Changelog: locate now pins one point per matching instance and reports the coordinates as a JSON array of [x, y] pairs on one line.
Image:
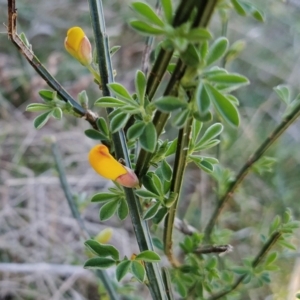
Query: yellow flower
[[104, 236], [106, 166], [78, 45]]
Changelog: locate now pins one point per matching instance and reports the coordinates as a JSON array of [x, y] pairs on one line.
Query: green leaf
[[257, 14], [196, 129], [223, 106], [210, 144], [140, 86], [229, 79], [148, 13], [206, 117], [160, 215], [217, 50], [148, 256], [41, 120], [118, 122], [271, 258], [104, 197], [181, 289], [99, 263], [113, 50], [239, 7], [95, 135], [109, 102], [83, 99], [102, 250], [275, 224], [166, 170], [122, 269], [211, 263], [204, 50], [211, 132], [157, 181], [191, 56], [120, 91], [151, 211], [38, 107], [288, 245], [149, 185], [108, 210], [136, 130], [102, 125], [145, 28], [57, 113], [47, 95], [169, 104], [138, 270], [168, 10], [148, 138], [202, 98], [206, 166], [240, 270], [158, 243], [123, 209], [145, 194], [284, 93], [181, 118], [171, 148], [198, 35]]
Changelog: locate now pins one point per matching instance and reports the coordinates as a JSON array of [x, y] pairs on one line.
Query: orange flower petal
[[78, 45], [104, 164]]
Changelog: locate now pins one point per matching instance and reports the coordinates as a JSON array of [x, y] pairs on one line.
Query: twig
[[279, 130], [222, 249], [140, 226], [175, 188], [257, 260], [40, 69], [61, 270], [183, 227], [66, 188]]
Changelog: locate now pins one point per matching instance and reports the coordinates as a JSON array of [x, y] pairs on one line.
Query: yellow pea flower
[[78, 45], [108, 167], [104, 236]]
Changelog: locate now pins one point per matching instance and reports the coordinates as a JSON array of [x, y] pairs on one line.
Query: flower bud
[[78, 45], [108, 167], [104, 236]]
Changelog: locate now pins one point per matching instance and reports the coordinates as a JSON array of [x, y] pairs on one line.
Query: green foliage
[[198, 97], [113, 202]]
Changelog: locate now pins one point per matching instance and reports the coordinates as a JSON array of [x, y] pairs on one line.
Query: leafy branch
[[269, 141]]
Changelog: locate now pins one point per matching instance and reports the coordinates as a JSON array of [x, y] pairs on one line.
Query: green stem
[[205, 10], [257, 260], [177, 178], [139, 225], [33, 60], [76, 215], [269, 141]]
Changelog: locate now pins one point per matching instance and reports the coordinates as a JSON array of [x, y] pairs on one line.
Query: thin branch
[[139, 225], [257, 260], [221, 249], [66, 188], [40, 69], [175, 188], [269, 141], [184, 227]]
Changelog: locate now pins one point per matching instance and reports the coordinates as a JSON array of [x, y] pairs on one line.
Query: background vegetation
[[41, 251]]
